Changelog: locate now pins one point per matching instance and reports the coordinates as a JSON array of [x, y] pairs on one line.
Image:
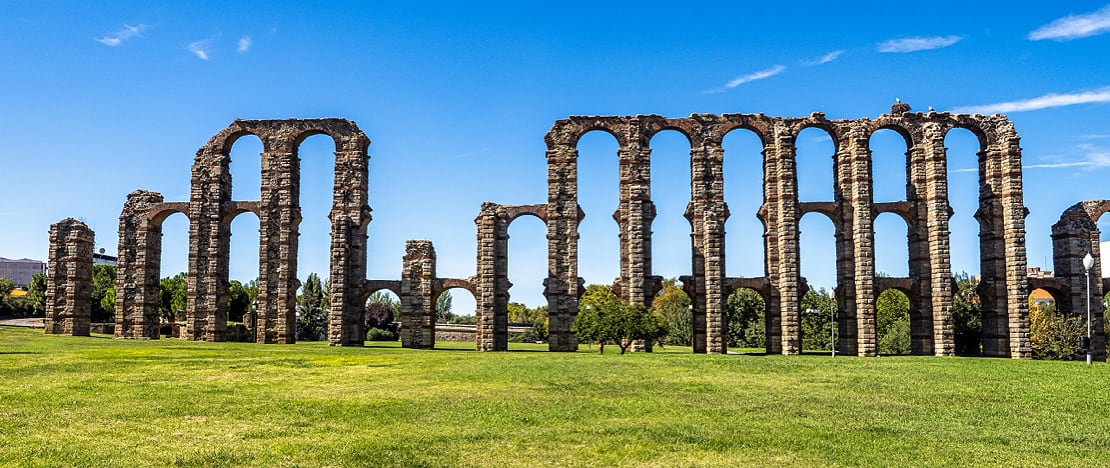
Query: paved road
[[23, 322]]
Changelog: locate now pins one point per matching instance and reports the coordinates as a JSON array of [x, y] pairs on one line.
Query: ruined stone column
[[69, 285], [492, 278], [138, 292], [1013, 222], [209, 244], [861, 227], [563, 286], [634, 215], [350, 217], [418, 302], [279, 220], [935, 228], [707, 213], [780, 154], [847, 320]]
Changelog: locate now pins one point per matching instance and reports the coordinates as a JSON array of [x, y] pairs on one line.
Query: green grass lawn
[[103, 402]]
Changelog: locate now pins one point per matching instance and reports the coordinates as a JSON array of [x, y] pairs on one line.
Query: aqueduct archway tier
[[926, 210]]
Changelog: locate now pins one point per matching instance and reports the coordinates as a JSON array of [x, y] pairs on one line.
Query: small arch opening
[[745, 247], [598, 195], [245, 166], [891, 246], [889, 165], [382, 317], [671, 245], [815, 154], [747, 321], [892, 322], [456, 319]]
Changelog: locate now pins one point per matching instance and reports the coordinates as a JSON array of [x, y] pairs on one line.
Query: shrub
[[378, 334], [1054, 335]]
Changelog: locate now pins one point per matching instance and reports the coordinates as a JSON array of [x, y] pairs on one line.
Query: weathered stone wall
[[418, 299], [69, 285]]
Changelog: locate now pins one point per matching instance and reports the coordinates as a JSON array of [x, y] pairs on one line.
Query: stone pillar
[[279, 220], [209, 244], [350, 215], [69, 285], [563, 286], [786, 295], [138, 292], [844, 161], [418, 302], [634, 215], [860, 227], [1013, 224], [935, 228], [493, 278]]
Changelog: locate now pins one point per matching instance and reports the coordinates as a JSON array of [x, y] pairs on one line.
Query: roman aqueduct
[[1003, 289]]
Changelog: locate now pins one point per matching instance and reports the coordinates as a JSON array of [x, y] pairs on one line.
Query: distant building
[[21, 271], [1037, 272], [101, 259]]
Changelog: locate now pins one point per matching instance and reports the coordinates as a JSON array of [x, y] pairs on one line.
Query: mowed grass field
[[67, 401]]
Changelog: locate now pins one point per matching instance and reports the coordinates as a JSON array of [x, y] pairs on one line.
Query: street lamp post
[[1088, 262]]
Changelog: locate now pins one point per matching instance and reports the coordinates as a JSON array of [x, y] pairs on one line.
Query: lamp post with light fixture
[[1088, 262]]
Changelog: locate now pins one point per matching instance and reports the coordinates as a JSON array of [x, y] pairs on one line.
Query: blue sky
[[99, 101]]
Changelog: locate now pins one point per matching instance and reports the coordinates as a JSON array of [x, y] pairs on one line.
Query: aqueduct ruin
[[1003, 289]]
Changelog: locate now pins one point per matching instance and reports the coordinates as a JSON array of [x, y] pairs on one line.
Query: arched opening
[[747, 321], [598, 195], [889, 171], [964, 178], [173, 273], [242, 274], [317, 187], [814, 155], [893, 323], [817, 256], [962, 151], [891, 246], [670, 186], [745, 248], [456, 323], [382, 317], [674, 305], [1054, 334], [1103, 226], [527, 265], [246, 168]]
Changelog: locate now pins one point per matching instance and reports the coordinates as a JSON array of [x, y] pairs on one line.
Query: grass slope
[[103, 402]]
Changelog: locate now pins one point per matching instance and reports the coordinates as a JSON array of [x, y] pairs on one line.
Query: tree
[[746, 325], [1054, 335], [104, 284], [36, 291], [6, 286], [602, 317], [239, 302], [597, 302], [817, 307], [536, 317], [967, 316], [892, 322], [312, 310], [674, 305], [443, 308], [172, 296]]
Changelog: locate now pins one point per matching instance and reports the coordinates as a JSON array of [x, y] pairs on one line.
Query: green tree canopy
[[37, 292], [673, 305]]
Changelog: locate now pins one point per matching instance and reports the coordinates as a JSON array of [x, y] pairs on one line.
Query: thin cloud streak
[[914, 44], [1074, 26], [759, 75], [200, 49], [829, 57], [117, 38], [1041, 102], [244, 44], [1095, 157]]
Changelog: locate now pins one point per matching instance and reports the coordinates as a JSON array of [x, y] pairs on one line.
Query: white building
[[20, 271]]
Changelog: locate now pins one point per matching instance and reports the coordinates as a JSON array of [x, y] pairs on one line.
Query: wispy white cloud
[[1093, 157], [914, 44], [117, 38], [829, 57], [200, 48], [244, 44], [1074, 26], [1041, 102], [759, 75]]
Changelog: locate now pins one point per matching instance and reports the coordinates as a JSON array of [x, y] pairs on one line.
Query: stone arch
[[372, 286], [1074, 236]]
